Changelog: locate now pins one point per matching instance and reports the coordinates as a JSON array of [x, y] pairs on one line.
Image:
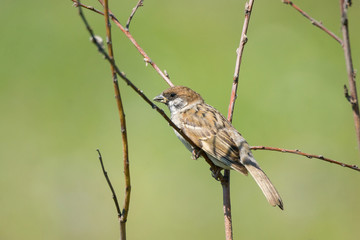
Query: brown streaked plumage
[[216, 136]]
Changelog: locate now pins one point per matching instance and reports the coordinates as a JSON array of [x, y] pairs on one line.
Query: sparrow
[[215, 136]]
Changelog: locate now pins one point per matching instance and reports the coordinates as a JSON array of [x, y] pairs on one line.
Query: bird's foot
[[196, 152], [216, 173]]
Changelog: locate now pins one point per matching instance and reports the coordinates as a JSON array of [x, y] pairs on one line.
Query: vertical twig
[[239, 51], [226, 182], [353, 98], [125, 209]]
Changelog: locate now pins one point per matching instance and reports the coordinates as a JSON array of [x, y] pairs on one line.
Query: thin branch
[[125, 209], [353, 98], [110, 185], [314, 22], [139, 4], [226, 182], [76, 3], [239, 51], [298, 152], [214, 168]]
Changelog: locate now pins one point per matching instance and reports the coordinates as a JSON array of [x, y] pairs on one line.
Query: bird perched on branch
[[215, 135]]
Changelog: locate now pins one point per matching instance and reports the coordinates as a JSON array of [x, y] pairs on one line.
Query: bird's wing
[[206, 127]]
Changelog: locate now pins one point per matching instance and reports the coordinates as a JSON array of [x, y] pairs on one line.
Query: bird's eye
[[172, 95]]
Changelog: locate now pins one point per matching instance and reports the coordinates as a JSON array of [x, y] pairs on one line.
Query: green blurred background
[[57, 108]]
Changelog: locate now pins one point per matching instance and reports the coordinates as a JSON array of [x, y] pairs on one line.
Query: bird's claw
[[216, 174], [196, 152]]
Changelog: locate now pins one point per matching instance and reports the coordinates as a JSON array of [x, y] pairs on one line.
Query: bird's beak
[[161, 99]]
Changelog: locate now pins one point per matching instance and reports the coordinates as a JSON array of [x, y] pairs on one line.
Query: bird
[[213, 134]]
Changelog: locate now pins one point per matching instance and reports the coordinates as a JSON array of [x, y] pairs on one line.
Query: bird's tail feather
[[263, 181], [266, 186]]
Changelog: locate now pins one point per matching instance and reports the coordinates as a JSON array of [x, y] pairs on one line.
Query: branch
[[110, 185], [239, 51], [352, 96], [313, 21], [214, 168], [226, 182], [298, 152], [227, 205], [125, 209], [139, 4]]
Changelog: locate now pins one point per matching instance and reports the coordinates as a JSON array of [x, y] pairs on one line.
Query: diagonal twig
[[139, 4], [110, 185], [308, 155], [313, 21]]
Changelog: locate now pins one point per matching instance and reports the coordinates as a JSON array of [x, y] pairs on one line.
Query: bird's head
[[179, 97]]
